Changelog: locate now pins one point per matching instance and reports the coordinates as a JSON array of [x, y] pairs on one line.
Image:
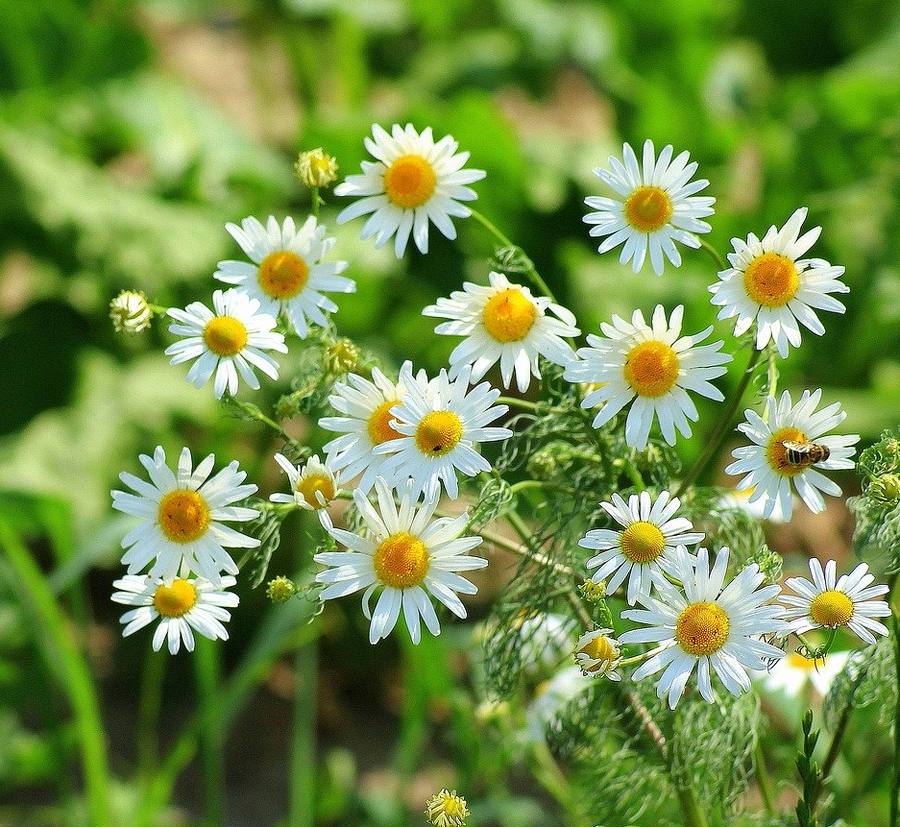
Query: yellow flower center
[[642, 542], [831, 608], [600, 648], [401, 561], [509, 315], [438, 433], [776, 453], [410, 181], [225, 335], [379, 424], [176, 599], [282, 274], [702, 628], [797, 660], [771, 280], [651, 368], [648, 209], [313, 484], [183, 516]]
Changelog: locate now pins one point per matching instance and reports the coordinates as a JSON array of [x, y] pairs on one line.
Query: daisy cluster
[[402, 443]]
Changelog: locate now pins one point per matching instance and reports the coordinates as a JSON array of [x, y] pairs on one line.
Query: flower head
[[180, 604], [414, 180], [504, 323], [447, 809], [597, 654], [793, 673], [773, 464], [770, 284], [316, 168], [653, 365], [651, 208], [280, 589], [286, 273], [130, 312], [313, 485]]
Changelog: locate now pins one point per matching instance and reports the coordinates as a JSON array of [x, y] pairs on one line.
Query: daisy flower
[[739, 498], [406, 554], [181, 605], [412, 181], [767, 463], [831, 603], [313, 485], [504, 323], [287, 275], [597, 653], [795, 672], [655, 366], [646, 543], [707, 624], [182, 516], [440, 422], [366, 421], [227, 342], [651, 209], [769, 283]]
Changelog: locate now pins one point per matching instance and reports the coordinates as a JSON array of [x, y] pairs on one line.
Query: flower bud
[[130, 312], [316, 168], [280, 589]]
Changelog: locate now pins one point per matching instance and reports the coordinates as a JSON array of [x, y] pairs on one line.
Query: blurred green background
[[131, 132]]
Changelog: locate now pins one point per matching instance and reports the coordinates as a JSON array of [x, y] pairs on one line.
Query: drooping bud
[[130, 312]]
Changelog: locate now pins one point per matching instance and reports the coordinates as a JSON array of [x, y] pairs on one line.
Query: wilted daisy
[[182, 517], [447, 809], [707, 624], [504, 323], [831, 603], [769, 283], [647, 542], [287, 275], [655, 366], [550, 698], [545, 639], [441, 423], [774, 462], [597, 653], [313, 485], [227, 342], [413, 181], [794, 673], [181, 605], [407, 555], [651, 209], [365, 423]]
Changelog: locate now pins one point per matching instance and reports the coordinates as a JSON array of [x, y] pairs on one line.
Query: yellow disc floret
[[225, 335], [183, 516], [447, 809], [508, 315], [702, 628], [651, 368], [409, 181], [379, 424], [315, 484], [776, 453], [648, 208], [771, 280], [401, 561], [282, 274], [831, 608], [176, 599], [438, 433], [642, 542]]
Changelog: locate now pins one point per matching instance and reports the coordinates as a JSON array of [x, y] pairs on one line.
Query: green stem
[[148, 711], [303, 749], [206, 672], [714, 254], [715, 440], [70, 667], [527, 405], [316, 201], [763, 779], [895, 775], [687, 795]]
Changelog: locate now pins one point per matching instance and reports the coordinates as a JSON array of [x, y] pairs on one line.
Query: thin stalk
[[763, 779], [206, 673], [714, 254], [715, 440], [148, 711], [895, 775], [687, 795], [316, 201], [527, 405], [303, 745]]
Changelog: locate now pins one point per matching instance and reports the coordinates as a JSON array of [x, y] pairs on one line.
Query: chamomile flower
[[365, 422], [830, 602], [772, 469], [647, 542], [707, 624], [287, 275], [794, 673], [182, 606], [182, 517], [655, 366], [440, 423], [227, 341], [405, 553], [770, 284], [597, 654], [504, 323], [413, 181], [447, 809], [739, 498], [651, 208], [313, 485]]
